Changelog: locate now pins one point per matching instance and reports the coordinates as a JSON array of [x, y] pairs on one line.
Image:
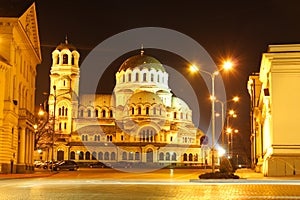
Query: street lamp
[[234, 99], [226, 66]]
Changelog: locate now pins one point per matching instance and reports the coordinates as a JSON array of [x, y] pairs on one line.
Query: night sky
[[239, 29]]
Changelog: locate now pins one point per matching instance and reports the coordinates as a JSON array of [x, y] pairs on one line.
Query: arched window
[[130, 157], [181, 115], [96, 113], [72, 155], [57, 60], [175, 115], [147, 110], [100, 155], [129, 77], [59, 112], [190, 157], [84, 137], [137, 77], [66, 112], [97, 138], [87, 155], [137, 155], [139, 110], [106, 156], [124, 156], [158, 78], [63, 111], [144, 77], [132, 110], [113, 156], [59, 126], [185, 157], [167, 156], [103, 113], [174, 156], [80, 155], [89, 113], [81, 113], [110, 113], [94, 156], [196, 157], [152, 77], [161, 156], [123, 78], [65, 59]]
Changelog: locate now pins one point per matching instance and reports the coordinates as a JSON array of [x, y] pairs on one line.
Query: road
[[162, 184]]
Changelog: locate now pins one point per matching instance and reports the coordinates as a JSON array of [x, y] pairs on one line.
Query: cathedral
[[140, 123]]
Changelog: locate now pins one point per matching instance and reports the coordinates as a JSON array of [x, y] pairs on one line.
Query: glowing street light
[[226, 66]]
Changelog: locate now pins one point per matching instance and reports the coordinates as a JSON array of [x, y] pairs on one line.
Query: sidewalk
[[36, 174]]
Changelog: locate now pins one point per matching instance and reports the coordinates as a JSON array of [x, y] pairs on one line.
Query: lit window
[[65, 59]]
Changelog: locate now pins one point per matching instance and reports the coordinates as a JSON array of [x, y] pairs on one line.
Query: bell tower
[[64, 88]]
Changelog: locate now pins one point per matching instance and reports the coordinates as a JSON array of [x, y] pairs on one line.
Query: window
[[103, 113], [185, 157], [144, 77], [132, 110], [87, 155], [130, 157], [147, 110], [80, 155], [65, 59], [196, 157], [113, 156], [96, 113], [152, 77], [57, 60], [124, 156], [94, 156], [97, 138], [84, 137], [89, 113], [175, 115], [136, 77], [110, 113], [129, 77], [139, 110], [72, 155], [137, 155], [73, 60], [109, 138], [59, 126], [174, 156], [81, 113], [158, 78], [122, 137], [154, 111], [190, 157], [181, 115], [63, 111], [59, 112], [106, 156], [66, 112], [100, 155], [123, 78], [161, 156], [167, 156], [65, 125], [171, 139]]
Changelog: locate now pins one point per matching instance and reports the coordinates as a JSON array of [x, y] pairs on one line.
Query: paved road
[[110, 184]]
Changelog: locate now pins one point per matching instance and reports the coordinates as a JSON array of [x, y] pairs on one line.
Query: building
[[19, 55], [275, 109], [141, 122]]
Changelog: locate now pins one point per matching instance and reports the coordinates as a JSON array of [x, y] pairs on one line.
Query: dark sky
[[241, 29]]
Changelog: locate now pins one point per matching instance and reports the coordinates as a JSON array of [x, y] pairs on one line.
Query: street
[[161, 184]]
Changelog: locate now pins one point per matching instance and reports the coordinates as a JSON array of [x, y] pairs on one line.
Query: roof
[[14, 8], [142, 61], [143, 97], [66, 45]]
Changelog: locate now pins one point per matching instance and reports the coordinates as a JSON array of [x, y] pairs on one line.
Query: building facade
[[19, 56], [275, 109], [140, 122]]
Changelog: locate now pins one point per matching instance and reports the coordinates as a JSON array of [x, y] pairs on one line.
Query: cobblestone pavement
[[162, 184]]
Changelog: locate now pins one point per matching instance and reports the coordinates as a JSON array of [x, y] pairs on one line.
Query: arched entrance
[[60, 155], [149, 155]]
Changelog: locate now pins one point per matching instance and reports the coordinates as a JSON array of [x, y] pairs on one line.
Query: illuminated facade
[[275, 112], [19, 56], [141, 122]]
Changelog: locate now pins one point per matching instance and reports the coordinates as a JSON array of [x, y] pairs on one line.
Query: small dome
[[144, 97], [179, 104], [66, 45], [141, 61]]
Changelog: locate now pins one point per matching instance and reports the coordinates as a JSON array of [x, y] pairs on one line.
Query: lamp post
[[227, 65], [234, 99]]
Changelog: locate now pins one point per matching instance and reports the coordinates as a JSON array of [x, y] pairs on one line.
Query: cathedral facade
[[141, 122]]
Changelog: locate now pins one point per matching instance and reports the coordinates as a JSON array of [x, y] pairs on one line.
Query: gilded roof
[[142, 61], [143, 97]]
